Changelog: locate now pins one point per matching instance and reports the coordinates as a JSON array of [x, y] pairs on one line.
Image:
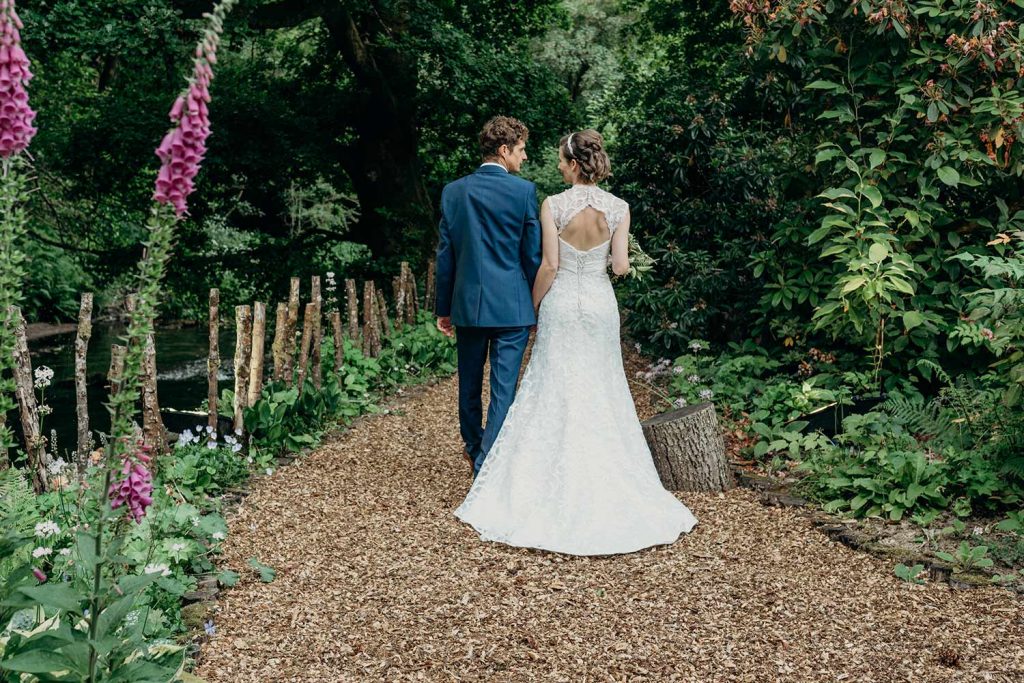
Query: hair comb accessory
[[568, 145]]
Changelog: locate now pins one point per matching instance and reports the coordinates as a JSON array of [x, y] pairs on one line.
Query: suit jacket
[[489, 250]]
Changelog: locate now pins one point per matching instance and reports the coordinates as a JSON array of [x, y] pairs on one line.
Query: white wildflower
[[65, 551], [47, 528], [44, 409], [696, 346], [679, 402], [706, 394], [218, 535], [270, 470], [678, 370], [177, 547], [157, 568], [44, 376], [42, 552], [211, 444], [693, 379], [56, 467], [195, 521]]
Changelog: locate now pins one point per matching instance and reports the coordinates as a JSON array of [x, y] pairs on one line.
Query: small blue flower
[[209, 628]]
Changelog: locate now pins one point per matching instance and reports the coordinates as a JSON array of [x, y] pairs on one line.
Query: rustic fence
[[295, 356]]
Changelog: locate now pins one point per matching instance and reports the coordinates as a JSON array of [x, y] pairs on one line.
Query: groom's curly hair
[[501, 130]]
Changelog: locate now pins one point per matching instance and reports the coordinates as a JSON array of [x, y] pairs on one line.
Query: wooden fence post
[[259, 335], [382, 305], [213, 361], [369, 318], [277, 348], [243, 349], [353, 310], [430, 293], [289, 339], [81, 387], [398, 290], [35, 445], [404, 275], [115, 375], [307, 335], [318, 303], [339, 341], [153, 432]]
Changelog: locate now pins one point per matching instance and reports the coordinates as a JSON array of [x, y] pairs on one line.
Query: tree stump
[[688, 449]]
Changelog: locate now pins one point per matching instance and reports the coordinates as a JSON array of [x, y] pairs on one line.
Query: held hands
[[445, 326]]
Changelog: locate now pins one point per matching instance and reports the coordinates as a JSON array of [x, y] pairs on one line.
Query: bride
[[570, 470]]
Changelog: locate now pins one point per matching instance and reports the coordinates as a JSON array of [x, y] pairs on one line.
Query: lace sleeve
[[616, 213], [557, 212]]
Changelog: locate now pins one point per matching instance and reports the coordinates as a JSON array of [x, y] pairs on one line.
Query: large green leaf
[[38, 662], [949, 176], [56, 595]]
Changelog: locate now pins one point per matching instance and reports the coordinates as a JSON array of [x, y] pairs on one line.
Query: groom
[[487, 259]]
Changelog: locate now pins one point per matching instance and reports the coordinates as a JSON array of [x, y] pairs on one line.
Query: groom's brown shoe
[[469, 459]]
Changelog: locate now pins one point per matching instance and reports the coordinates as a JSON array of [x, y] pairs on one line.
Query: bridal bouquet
[[640, 262]]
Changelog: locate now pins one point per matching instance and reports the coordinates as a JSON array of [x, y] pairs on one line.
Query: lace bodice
[[566, 205]]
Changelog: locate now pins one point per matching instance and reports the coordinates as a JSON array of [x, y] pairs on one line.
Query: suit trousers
[[506, 346]]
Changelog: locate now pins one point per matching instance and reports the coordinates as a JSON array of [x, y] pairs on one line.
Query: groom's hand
[[445, 325]]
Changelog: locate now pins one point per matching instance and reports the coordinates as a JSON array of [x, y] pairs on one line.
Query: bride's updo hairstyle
[[586, 147]]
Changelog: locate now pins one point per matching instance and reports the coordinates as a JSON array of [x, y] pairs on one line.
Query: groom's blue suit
[[487, 259]]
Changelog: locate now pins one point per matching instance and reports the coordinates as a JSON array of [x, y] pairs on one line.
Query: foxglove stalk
[[183, 148], [16, 117], [135, 489]]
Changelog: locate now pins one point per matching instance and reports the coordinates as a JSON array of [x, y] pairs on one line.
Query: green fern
[[18, 514], [17, 501], [922, 418]]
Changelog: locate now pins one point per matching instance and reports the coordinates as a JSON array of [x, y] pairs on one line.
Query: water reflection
[[181, 354]]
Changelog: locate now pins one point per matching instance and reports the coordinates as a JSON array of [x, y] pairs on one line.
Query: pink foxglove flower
[[136, 488], [184, 146], [16, 117]]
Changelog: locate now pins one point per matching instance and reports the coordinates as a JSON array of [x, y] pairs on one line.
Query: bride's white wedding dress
[[570, 470]]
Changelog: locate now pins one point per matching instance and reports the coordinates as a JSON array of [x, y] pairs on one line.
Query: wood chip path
[[377, 581]]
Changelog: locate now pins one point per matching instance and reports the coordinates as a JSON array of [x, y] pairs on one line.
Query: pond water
[[181, 354]]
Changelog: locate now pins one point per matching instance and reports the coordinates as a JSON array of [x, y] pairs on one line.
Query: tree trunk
[[318, 303], [24, 382], [382, 159], [277, 349], [213, 361], [688, 450], [307, 335], [243, 350], [339, 341], [81, 386], [289, 339], [353, 310], [259, 335]]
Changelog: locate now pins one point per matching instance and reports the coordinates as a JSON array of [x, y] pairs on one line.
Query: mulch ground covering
[[376, 580]]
